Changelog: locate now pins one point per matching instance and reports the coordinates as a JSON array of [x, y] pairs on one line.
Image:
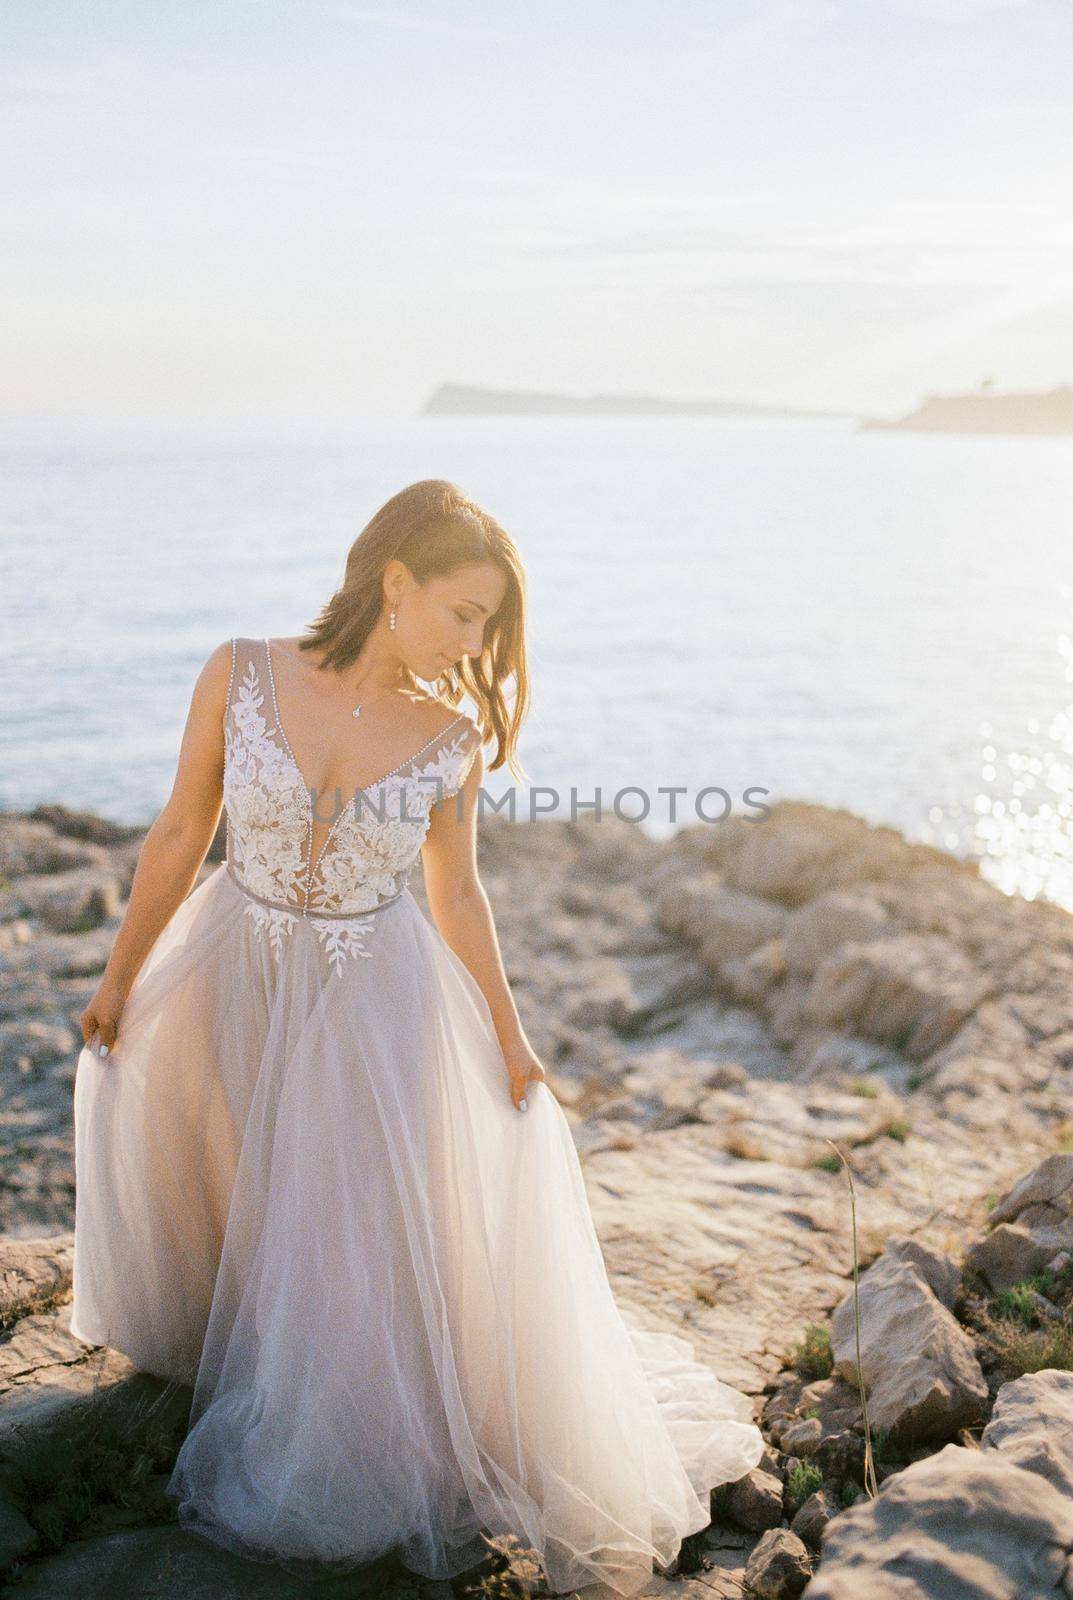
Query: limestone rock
[[751, 978], [33, 1274], [66, 823], [724, 923], [683, 901], [791, 1126], [916, 1540], [913, 990], [59, 955], [29, 1044], [802, 1437], [605, 996], [736, 924], [819, 929], [993, 1032], [70, 902], [1042, 1201], [923, 1379], [28, 845], [841, 1455], [801, 850], [54, 1388], [164, 1561], [939, 1272], [970, 1087], [814, 1515], [779, 1567], [1032, 1424], [1007, 1255], [756, 1501]]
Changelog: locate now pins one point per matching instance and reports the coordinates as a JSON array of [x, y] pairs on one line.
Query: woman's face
[[444, 619]]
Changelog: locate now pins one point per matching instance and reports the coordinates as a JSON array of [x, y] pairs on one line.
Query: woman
[[320, 1174]]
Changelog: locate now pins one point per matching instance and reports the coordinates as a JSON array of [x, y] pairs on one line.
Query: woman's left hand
[[524, 1068]]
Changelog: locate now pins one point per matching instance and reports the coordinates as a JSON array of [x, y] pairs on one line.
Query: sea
[[739, 610]]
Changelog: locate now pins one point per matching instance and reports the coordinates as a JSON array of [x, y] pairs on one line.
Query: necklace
[[362, 703]]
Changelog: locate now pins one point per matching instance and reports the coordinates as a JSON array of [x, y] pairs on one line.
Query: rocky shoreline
[[723, 1016]]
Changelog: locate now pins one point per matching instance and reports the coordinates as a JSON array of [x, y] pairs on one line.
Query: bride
[[321, 1176]]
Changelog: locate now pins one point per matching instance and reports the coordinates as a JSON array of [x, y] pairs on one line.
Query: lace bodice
[[374, 840]]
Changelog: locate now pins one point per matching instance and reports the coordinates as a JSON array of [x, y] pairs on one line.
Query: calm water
[[879, 622]]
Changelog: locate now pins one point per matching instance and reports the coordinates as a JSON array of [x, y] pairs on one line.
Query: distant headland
[[1049, 413], [1046, 413], [464, 400]]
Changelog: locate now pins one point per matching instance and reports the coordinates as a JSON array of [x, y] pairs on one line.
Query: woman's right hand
[[102, 1014]]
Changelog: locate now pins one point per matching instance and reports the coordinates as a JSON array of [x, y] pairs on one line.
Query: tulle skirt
[[303, 1189]]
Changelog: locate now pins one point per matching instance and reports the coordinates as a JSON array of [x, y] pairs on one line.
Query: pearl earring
[[391, 620]]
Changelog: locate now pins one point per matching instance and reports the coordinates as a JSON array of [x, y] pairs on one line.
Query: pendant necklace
[[362, 703], [358, 708]]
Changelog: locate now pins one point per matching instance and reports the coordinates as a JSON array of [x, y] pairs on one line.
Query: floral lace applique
[[339, 938], [370, 848], [342, 939], [268, 813], [271, 923]]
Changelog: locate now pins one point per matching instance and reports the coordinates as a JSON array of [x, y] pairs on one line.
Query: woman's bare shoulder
[[213, 684], [439, 718], [217, 666]]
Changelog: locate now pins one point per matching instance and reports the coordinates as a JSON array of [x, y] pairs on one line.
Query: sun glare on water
[[1021, 829]]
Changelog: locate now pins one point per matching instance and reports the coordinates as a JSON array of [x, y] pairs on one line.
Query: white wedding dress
[[302, 1188]]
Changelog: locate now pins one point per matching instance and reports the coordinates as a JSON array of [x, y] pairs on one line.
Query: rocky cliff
[[737, 1022]]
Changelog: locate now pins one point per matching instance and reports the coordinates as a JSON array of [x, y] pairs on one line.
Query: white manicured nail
[[103, 1051], [522, 1105]]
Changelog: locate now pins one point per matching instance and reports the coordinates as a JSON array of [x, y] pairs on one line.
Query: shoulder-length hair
[[432, 527]]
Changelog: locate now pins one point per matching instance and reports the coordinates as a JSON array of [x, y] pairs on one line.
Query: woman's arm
[[461, 912], [173, 850]]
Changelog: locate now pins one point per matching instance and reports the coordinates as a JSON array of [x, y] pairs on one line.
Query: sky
[[230, 209]]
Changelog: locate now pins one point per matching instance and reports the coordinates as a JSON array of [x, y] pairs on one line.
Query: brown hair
[[432, 527]]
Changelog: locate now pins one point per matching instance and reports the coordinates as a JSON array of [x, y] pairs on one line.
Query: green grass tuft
[[802, 1481], [813, 1357]]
